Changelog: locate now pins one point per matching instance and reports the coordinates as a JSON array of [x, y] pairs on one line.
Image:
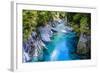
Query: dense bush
[[80, 22]]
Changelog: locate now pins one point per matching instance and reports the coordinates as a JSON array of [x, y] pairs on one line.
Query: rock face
[[45, 33], [83, 46], [62, 26]]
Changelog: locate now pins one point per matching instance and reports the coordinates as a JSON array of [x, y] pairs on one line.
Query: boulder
[[82, 47], [45, 33]]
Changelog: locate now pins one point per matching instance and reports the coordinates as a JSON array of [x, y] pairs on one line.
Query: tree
[[33, 19]]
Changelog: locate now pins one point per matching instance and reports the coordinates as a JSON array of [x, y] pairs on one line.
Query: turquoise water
[[62, 47]]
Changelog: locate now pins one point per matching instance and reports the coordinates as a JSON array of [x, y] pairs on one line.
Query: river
[[62, 47]]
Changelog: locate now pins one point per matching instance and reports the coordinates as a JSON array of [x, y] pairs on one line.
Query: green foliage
[[80, 22], [83, 25], [32, 19], [29, 22], [77, 17]]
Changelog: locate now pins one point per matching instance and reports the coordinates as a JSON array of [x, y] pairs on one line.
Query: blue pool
[[62, 47]]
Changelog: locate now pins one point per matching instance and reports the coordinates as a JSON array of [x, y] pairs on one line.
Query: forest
[[81, 22]]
